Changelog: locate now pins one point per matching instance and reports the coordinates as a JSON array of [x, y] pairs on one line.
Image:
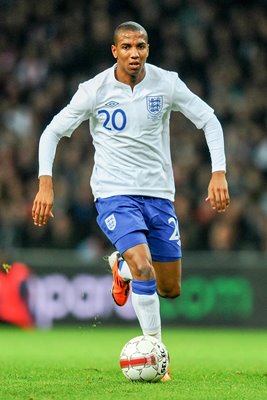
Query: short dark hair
[[129, 26]]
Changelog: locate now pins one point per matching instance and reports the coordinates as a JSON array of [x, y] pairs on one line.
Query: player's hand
[[43, 202], [218, 194]]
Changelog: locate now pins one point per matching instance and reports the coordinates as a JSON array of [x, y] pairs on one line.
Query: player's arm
[[218, 194], [63, 124], [202, 116], [44, 199]]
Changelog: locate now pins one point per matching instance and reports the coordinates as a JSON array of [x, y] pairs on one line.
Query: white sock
[[146, 307], [124, 271], [148, 313]]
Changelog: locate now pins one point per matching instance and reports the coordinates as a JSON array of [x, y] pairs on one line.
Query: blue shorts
[[131, 220]]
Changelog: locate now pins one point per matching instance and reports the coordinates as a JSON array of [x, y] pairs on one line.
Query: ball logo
[[111, 222], [164, 362]]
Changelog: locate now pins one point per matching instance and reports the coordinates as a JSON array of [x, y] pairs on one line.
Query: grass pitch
[[82, 363]]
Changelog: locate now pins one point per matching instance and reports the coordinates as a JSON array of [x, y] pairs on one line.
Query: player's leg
[[138, 264], [168, 276], [144, 294], [121, 219], [165, 246]]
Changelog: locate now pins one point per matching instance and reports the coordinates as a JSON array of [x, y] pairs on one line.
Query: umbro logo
[[112, 104]]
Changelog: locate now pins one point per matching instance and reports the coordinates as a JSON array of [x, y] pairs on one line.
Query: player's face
[[131, 52]]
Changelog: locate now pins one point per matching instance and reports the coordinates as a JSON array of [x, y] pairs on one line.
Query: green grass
[[82, 363]]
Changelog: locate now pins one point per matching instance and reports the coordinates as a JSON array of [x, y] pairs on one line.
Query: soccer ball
[[144, 358]]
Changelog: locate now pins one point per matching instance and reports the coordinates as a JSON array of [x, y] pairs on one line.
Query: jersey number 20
[[115, 120]]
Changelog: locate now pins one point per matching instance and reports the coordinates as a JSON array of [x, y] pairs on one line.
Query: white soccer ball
[[144, 358]]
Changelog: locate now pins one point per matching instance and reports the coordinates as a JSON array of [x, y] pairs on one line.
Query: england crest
[[111, 222], [154, 104]]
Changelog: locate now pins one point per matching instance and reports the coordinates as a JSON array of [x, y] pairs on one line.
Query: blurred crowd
[[218, 48]]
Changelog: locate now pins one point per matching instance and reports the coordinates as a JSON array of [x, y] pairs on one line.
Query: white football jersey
[[130, 130]]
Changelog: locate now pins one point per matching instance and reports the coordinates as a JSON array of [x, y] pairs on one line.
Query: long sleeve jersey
[[131, 132]]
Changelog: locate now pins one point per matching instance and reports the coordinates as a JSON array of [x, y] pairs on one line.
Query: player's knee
[[143, 271], [140, 266], [170, 292]]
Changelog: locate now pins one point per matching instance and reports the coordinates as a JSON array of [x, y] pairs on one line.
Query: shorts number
[[116, 120], [175, 235]]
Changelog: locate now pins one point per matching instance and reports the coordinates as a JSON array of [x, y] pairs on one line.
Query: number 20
[[111, 120]]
